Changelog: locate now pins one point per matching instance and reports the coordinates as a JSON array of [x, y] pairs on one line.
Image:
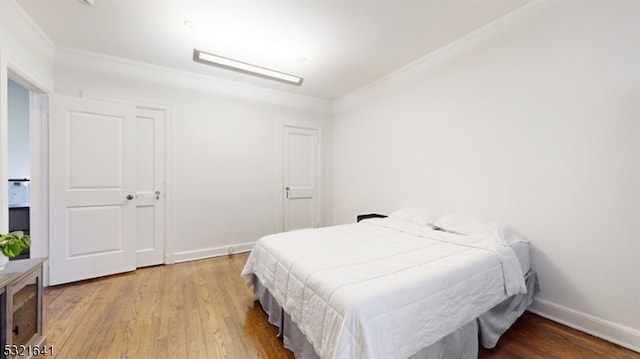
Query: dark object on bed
[[360, 217]]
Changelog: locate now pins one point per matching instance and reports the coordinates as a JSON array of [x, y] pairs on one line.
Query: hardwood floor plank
[[535, 337], [203, 309]]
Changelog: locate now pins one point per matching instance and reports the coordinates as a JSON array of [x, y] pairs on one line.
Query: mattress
[[354, 290]]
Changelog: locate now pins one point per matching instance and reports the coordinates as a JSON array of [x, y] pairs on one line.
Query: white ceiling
[[346, 43]]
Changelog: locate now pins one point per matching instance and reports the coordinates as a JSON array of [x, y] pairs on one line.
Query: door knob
[[129, 197], [157, 194]]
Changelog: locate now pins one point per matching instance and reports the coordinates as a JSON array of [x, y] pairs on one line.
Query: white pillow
[[460, 223], [418, 216], [471, 225]]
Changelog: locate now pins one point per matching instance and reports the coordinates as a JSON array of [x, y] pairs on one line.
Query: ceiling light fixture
[[211, 59], [87, 2]]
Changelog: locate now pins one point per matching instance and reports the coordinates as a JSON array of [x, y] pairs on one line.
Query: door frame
[[11, 68], [168, 110], [319, 173]]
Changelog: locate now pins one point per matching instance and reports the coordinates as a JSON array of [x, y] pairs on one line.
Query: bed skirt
[[462, 343]]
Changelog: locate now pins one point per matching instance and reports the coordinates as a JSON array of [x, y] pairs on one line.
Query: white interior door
[[92, 184], [150, 214], [300, 165]]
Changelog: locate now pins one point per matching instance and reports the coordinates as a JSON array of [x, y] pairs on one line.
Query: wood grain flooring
[[203, 309]]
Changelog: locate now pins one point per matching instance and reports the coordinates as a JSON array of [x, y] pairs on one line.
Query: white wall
[[533, 121], [24, 47], [225, 135], [18, 132]]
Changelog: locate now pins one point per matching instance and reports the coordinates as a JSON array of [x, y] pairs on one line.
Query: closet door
[[301, 177], [150, 192], [92, 186]]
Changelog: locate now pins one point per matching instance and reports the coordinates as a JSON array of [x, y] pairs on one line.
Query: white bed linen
[[522, 251], [382, 288]]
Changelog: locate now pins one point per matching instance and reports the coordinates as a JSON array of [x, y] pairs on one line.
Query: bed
[[407, 286]]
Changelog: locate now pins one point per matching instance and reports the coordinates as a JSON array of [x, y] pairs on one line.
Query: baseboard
[[613, 332], [212, 252]]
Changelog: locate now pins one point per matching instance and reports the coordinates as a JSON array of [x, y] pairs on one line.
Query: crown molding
[[400, 76], [32, 24]]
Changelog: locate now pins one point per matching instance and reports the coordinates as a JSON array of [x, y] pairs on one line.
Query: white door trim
[[4, 142], [39, 195], [168, 109], [320, 173], [11, 68]]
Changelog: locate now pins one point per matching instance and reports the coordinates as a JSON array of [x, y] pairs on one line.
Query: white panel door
[[300, 165], [92, 183], [150, 187]]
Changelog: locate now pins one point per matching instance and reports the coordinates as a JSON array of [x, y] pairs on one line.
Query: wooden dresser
[[21, 331]]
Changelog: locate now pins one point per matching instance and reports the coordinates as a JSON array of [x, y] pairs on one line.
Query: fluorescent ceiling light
[[211, 59]]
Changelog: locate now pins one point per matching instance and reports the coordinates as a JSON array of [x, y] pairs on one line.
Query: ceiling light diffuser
[[226, 63]]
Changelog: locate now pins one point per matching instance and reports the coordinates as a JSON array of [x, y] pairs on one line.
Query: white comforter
[[382, 288]]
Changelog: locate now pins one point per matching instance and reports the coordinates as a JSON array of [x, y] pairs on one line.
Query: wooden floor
[[203, 309]]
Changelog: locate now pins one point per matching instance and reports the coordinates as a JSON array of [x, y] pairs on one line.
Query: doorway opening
[[25, 181], [19, 164]]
